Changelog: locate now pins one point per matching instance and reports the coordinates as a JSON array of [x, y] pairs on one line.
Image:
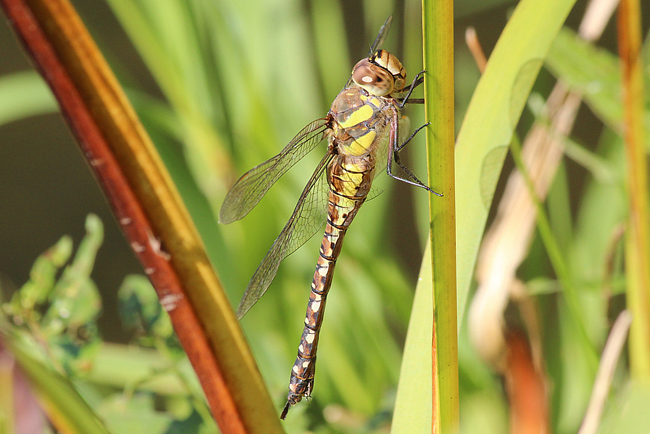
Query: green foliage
[[599, 85], [238, 82], [24, 94], [141, 312], [236, 96], [414, 397], [491, 118], [63, 311], [594, 254], [84, 384], [587, 232]]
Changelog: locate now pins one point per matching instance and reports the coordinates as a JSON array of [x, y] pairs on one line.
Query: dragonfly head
[[380, 74]]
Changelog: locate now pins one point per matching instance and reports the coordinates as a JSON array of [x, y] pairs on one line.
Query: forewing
[[308, 217], [383, 32], [253, 185], [379, 40]]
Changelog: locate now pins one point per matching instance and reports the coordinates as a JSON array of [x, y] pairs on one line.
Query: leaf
[[75, 300], [628, 413], [24, 94], [492, 114], [140, 309], [592, 71], [414, 398], [64, 406], [42, 277]]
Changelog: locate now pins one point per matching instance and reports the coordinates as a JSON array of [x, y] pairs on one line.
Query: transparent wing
[[379, 40], [383, 32], [308, 217], [254, 184]]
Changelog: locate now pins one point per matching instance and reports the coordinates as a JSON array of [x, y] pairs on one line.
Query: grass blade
[[491, 117], [67, 409], [24, 94], [414, 399]]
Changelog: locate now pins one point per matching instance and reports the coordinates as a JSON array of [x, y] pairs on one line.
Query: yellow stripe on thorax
[[374, 101], [361, 114]]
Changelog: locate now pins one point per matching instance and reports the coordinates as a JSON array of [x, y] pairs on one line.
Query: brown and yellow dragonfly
[[362, 132]]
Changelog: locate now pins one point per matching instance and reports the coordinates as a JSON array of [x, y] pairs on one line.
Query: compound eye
[[372, 78]]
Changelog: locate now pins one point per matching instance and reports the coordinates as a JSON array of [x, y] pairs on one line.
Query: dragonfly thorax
[[380, 74]]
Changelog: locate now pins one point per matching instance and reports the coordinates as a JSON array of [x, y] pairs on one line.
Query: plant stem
[[637, 242], [438, 31]]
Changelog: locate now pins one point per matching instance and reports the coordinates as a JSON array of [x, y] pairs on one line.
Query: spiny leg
[[417, 130], [395, 157], [417, 80]]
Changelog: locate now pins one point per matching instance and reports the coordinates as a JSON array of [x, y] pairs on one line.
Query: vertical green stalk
[[637, 243], [438, 31]]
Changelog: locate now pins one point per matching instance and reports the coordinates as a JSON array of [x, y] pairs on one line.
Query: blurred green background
[[222, 86]]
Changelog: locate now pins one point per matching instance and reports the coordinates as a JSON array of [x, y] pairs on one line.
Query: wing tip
[[241, 311], [228, 215]]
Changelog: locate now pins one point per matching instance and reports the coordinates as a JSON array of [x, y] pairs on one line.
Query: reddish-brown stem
[[144, 204], [526, 389]]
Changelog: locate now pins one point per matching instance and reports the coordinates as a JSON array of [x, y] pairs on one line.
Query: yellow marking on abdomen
[[348, 187], [360, 145]]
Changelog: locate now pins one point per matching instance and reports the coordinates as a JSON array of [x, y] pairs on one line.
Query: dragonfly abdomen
[[302, 373], [348, 191]]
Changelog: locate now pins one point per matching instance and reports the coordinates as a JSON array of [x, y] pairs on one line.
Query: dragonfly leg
[[416, 182], [417, 80], [417, 130], [395, 157]]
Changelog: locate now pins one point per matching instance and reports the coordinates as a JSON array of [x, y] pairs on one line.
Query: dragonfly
[[362, 132]]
